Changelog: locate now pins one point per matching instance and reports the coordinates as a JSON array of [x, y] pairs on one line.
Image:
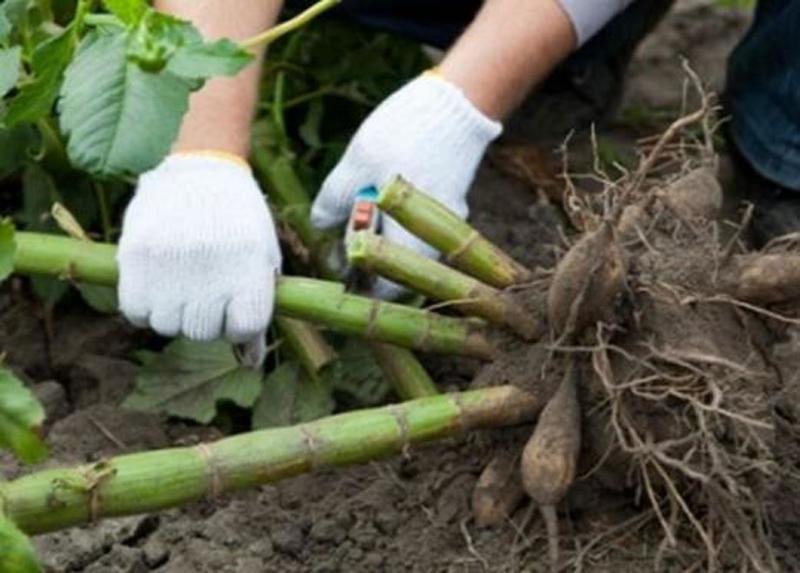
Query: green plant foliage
[[100, 298], [199, 61], [128, 11], [16, 552], [290, 396], [188, 379], [5, 27], [10, 59], [118, 118], [356, 376], [37, 96], [21, 418], [126, 91], [320, 83], [7, 248], [736, 3], [15, 144]]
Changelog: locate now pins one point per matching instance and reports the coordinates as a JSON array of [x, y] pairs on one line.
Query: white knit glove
[[428, 132], [198, 253]]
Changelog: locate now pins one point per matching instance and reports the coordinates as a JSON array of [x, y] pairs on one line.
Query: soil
[[409, 513]]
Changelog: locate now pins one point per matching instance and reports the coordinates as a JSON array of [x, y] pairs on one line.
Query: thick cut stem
[[327, 303], [439, 282], [404, 372], [156, 480], [463, 246], [306, 343], [301, 298]]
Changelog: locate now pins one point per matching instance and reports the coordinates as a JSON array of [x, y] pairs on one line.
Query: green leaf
[[310, 128], [15, 143], [9, 69], [37, 96], [162, 41], [15, 12], [119, 118], [100, 298], [358, 376], [289, 397], [16, 551], [5, 27], [129, 11], [49, 290], [187, 379], [202, 61], [39, 192], [157, 37], [8, 247], [21, 418]]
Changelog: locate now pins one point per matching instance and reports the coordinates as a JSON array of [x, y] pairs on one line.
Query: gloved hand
[[198, 254], [428, 132]]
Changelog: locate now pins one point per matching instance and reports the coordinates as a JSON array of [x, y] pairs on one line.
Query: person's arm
[[510, 47], [435, 130], [220, 114]]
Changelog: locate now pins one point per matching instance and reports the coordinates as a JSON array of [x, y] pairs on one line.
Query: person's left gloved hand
[[429, 133]]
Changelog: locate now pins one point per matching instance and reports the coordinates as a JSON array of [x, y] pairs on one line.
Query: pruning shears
[[364, 217]]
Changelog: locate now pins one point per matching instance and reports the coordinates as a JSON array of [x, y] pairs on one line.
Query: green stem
[[439, 282], [463, 246], [287, 194], [306, 343], [53, 146], [327, 303], [296, 297], [101, 195], [324, 91], [103, 20], [269, 36], [152, 481], [404, 372]]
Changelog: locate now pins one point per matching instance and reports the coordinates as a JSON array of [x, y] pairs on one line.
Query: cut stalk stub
[[462, 246], [403, 371], [439, 282]]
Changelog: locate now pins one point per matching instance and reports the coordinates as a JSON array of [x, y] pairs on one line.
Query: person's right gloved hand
[[429, 133], [198, 255]]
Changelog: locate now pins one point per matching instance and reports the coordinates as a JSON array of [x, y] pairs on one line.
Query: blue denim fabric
[[763, 93]]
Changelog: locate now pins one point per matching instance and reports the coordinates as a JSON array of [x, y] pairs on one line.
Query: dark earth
[[409, 513]]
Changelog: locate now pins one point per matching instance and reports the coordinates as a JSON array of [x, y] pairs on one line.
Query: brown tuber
[[498, 491], [586, 282], [697, 194], [550, 457], [764, 279]]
